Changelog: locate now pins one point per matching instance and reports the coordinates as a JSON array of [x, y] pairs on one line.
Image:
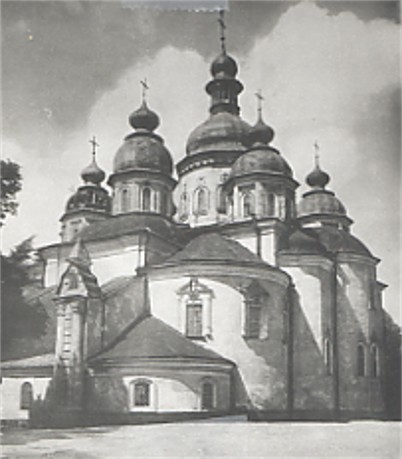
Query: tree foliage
[[19, 319], [11, 184]]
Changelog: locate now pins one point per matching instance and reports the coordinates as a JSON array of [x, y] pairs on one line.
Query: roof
[[337, 240], [37, 361], [215, 247], [323, 240], [303, 241], [149, 337], [128, 224]]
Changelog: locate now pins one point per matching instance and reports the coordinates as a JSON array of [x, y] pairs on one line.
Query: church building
[[209, 291]]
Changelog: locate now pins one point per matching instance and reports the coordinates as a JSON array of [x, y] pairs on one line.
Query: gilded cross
[[145, 88], [260, 98], [222, 26], [94, 145]]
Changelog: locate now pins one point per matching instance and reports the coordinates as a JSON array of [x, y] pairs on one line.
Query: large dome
[[222, 131], [143, 150], [261, 159], [319, 202]]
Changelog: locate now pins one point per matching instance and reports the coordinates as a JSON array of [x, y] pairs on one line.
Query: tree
[[11, 184], [18, 318]]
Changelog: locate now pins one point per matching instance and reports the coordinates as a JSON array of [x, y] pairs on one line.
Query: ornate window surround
[[193, 292]]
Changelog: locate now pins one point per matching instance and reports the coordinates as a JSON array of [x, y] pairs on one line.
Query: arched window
[[270, 204], [201, 201], [141, 396], [146, 199], [220, 200], [374, 357], [328, 355], [248, 204], [183, 206], [26, 397], [361, 360], [207, 395], [125, 200]]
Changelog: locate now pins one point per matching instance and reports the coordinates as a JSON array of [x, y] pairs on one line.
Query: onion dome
[[93, 173], [223, 131], [320, 201], [260, 133], [224, 66], [317, 178], [144, 118], [266, 160], [143, 150], [260, 158]]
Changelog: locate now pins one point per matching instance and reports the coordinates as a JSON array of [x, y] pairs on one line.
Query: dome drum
[[88, 198]]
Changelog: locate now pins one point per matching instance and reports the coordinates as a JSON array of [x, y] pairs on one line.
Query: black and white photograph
[[200, 229]]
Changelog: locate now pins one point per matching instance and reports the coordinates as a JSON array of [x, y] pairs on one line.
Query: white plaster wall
[[226, 334], [166, 395], [120, 263], [105, 266], [206, 176], [309, 289], [10, 390], [268, 247]]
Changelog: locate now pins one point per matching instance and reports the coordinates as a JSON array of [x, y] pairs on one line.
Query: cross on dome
[[145, 88], [222, 28], [260, 98], [316, 154], [94, 145]]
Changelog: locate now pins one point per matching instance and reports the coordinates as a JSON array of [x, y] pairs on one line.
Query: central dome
[[143, 150], [222, 131]]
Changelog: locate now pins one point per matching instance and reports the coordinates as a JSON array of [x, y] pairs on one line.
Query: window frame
[[26, 397], [150, 394], [213, 396], [197, 305], [374, 360], [361, 365]]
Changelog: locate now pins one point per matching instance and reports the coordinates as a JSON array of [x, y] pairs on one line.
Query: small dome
[[143, 151], [89, 197], [261, 159], [317, 178], [320, 202], [93, 174], [222, 131], [144, 118], [224, 66], [260, 133]]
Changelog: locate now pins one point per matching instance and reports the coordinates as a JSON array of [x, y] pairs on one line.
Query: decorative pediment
[[194, 289]]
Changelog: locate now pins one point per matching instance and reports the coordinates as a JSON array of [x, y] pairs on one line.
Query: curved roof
[[338, 240], [143, 150], [318, 202], [222, 131], [150, 338], [261, 159]]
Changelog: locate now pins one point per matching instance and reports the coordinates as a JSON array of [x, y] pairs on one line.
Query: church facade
[[211, 293]]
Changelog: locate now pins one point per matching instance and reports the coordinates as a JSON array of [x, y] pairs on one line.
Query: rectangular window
[[253, 320], [141, 394], [194, 320]]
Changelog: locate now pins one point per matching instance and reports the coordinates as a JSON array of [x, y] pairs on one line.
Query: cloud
[[325, 77]]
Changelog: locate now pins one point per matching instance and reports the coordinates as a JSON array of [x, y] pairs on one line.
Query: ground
[[232, 438]]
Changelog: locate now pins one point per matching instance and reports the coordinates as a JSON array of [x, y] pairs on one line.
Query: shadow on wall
[[392, 368]]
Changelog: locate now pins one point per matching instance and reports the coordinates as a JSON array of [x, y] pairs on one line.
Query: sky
[[328, 70]]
